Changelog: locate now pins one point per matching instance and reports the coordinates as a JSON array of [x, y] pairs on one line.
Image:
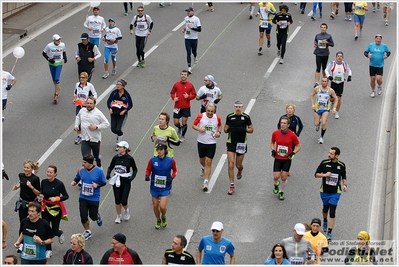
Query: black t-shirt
[[25, 192], [40, 228], [237, 127], [183, 258], [332, 184], [55, 188]]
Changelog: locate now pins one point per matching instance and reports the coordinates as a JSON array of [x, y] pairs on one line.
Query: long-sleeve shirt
[[323, 49], [118, 103], [178, 90], [85, 118]]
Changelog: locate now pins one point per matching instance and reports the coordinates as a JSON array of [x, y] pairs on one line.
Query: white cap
[[217, 226], [56, 37], [123, 144], [300, 228]]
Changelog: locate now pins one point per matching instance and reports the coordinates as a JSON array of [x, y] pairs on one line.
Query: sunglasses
[[73, 243], [215, 231]]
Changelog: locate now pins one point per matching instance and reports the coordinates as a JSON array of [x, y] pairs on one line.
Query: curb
[[11, 41]]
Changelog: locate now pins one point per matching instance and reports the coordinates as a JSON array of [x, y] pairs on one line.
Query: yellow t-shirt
[[359, 8], [318, 242]]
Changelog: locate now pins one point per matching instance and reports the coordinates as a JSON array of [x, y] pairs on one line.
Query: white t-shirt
[[111, 34], [5, 77], [195, 23], [55, 51], [142, 25], [211, 95], [97, 23]]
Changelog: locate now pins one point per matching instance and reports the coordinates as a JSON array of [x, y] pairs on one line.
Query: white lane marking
[[250, 105], [269, 71], [178, 26], [216, 173], [188, 235], [293, 34]]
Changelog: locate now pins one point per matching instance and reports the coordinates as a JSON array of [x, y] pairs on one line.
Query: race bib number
[[241, 148], [264, 24], [57, 57], [332, 180], [114, 52], [188, 32], [322, 99], [321, 45], [87, 189], [282, 151], [160, 181], [209, 128], [141, 27], [176, 110], [338, 78], [284, 24], [96, 31], [296, 260], [29, 251]]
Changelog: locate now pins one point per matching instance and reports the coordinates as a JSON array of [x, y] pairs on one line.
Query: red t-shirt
[[283, 143]]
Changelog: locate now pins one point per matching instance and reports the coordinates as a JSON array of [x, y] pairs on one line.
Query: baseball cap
[[211, 78], [56, 37], [217, 226], [123, 144], [84, 36], [160, 145], [300, 228], [111, 19], [190, 9]]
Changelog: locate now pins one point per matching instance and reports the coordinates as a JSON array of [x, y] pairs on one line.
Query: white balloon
[[18, 52], [94, 4], [146, 3]]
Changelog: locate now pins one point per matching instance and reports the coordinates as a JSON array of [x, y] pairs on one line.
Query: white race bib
[[240, 148], [296, 260], [160, 181], [282, 151], [332, 180], [87, 189]]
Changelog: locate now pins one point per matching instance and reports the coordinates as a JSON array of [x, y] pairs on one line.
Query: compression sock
[[323, 132]]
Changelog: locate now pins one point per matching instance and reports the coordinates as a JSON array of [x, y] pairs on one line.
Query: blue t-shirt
[[273, 262], [378, 51], [87, 191], [214, 252]]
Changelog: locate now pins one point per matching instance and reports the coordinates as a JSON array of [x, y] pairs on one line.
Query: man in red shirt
[[182, 93], [120, 253], [284, 145]]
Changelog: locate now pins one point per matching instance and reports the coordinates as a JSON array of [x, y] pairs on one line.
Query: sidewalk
[[31, 19]]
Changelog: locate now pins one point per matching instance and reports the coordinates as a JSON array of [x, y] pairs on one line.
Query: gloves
[[147, 178], [291, 156], [349, 78], [273, 153], [8, 88], [216, 100], [203, 96], [65, 60], [52, 61], [108, 177], [330, 78], [169, 180], [5, 175]]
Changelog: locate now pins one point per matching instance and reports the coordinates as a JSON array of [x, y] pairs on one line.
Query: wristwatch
[[43, 243]]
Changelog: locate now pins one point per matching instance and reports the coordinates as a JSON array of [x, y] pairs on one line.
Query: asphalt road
[[254, 218]]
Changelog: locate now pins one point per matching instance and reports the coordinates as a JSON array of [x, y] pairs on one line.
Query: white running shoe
[[379, 92], [202, 172], [113, 73], [205, 185], [196, 60], [126, 216], [372, 95], [337, 115], [321, 141], [190, 70], [105, 76], [118, 218]]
